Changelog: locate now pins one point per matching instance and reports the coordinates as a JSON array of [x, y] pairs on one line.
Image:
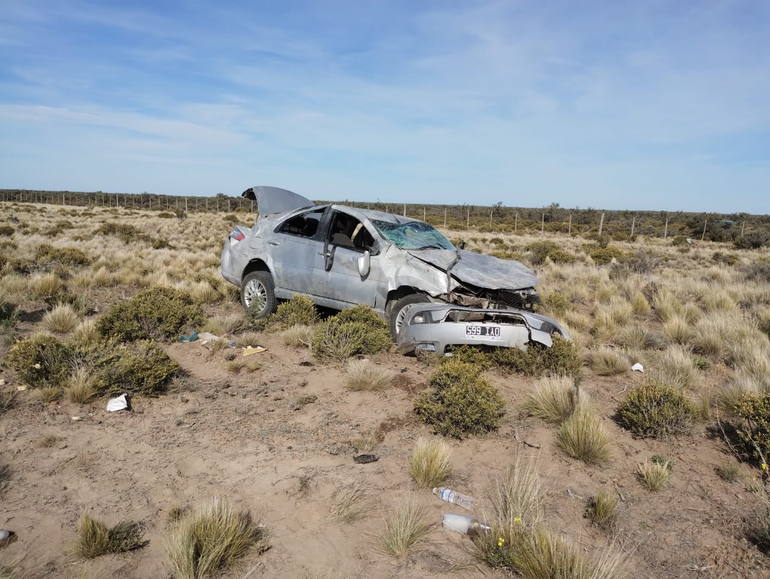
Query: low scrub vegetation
[[561, 359], [298, 311], [62, 319], [460, 401], [40, 361], [159, 313], [406, 528], [754, 426], [608, 362], [96, 539], [554, 399], [67, 256], [355, 331], [654, 410], [430, 463], [582, 436], [208, 541], [602, 510], [654, 474], [367, 375]]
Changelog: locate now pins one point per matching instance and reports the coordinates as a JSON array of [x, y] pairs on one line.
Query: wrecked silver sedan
[[341, 256]]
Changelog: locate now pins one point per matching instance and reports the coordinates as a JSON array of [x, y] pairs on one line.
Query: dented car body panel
[[434, 327], [341, 256]]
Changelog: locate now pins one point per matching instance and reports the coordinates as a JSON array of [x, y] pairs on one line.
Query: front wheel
[[258, 294], [397, 310]]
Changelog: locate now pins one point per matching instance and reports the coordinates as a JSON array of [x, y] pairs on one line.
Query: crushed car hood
[[480, 270], [275, 200]]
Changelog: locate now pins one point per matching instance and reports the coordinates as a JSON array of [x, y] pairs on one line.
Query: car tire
[[397, 308], [259, 285]]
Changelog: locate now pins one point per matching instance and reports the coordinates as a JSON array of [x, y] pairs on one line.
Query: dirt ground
[[245, 437]]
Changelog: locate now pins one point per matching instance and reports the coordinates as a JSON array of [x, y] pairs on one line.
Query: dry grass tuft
[[242, 365], [350, 506], [676, 368], [80, 387], [7, 399], [49, 393], [365, 375], [298, 336], [654, 475], [246, 339], [404, 529], [61, 319], [677, 329], [554, 399], [602, 511], [430, 463], [46, 286], [96, 539], [224, 325], [203, 293], [208, 541], [582, 436], [608, 362], [86, 332]]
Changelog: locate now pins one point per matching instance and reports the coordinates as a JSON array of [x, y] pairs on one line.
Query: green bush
[[9, 316], [141, 367], [753, 240], [298, 311], [604, 255], [354, 331], [159, 313], [754, 432], [555, 302], [6, 230], [123, 231], [65, 255], [540, 250], [654, 410], [561, 358], [460, 402], [41, 361]]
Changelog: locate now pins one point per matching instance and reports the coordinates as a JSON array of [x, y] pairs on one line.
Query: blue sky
[[617, 104]]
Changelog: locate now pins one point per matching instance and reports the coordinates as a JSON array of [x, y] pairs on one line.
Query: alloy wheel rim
[[255, 295]]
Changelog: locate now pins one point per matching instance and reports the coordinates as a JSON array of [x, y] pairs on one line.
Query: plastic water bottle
[[451, 496], [463, 524]]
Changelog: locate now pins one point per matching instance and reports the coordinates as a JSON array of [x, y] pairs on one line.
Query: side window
[[347, 231], [304, 224]]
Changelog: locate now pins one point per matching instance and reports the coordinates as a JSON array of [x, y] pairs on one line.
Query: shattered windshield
[[412, 235]]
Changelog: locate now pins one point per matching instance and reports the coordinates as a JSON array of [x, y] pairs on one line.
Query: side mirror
[[461, 244], [364, 264]]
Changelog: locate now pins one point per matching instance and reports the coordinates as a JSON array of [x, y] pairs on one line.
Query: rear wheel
[[258, 294], [396, 310]]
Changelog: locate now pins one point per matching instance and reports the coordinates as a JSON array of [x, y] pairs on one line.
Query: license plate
[[485, 331]]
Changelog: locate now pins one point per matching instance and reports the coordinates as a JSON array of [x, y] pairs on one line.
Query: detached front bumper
[[433, 327]]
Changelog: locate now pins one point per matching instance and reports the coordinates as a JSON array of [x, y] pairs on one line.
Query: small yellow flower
[[500, 541], [517, 520], [764, 466]]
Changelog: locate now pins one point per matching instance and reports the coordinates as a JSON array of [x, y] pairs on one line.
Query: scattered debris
[[365, 458], [191, 338], [248, 350], [6, 537], [21, 388], [75, 418], [454, 497], [119, 403], [637, 368], [463, 524], [207, 337]]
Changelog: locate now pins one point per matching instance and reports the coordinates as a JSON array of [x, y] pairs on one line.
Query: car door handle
[[322, 254]]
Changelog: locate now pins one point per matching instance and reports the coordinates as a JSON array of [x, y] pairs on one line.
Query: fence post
[[665, 231], [404, 209], [542, 225], [444, 217], [468, 224], [423, 213], [601, 224], [516, 223], [633, 224], [490, 218], [703, 236], [569, 230], [743, 227]]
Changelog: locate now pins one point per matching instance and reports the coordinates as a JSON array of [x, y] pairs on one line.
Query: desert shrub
[[728, 472], [208, 541], [298, 311], [350, 506], [608, 362], [7, 399], [40, 361], [404, 529], [654, 474], [459, 401], [298, 336], [9, 316], [165, 215], [725, 258], [758, 271], [753, 240], [583, 436], [355, 331], [430, 463], [159, 313], [96, 539], [602, 511], [540, 250], [639, 337], [366, 375], [754, 431], [80, 385], [676, 367], [6, 230], [555, 302], [679, 241], [758, 528], [654, 410], [554, 399], [123, 231], [141, 367], [476, 356], [561, 358], [68, 256], [604, 255], [61, 319]]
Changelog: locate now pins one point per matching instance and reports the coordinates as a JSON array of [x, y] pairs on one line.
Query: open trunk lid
[[275, 200]]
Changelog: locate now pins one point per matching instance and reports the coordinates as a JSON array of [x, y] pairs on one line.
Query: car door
[[296, 251], [347, 239]]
